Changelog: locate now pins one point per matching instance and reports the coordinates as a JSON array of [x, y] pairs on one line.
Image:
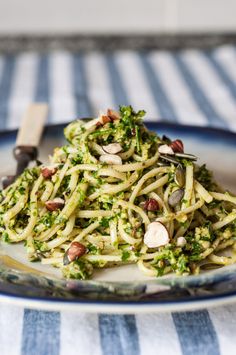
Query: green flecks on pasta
[[86, 214]]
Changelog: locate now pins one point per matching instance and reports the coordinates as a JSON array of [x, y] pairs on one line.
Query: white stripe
[[136, 83], [62, 101], [99, 91], [11, 323], [79, 334], [226, 56], [178, 93], [215, 90], [224, 322], [157, 334], [23, 88]]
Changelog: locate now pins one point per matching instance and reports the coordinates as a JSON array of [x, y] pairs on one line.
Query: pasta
[[117, 193]]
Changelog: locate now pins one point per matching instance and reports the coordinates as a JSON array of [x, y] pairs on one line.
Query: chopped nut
[[151, 205], [157, 235], [177, 146], [181, 242], [165, 149], [104, 119], [110, 159], [99, 124], [48, 172], [112, 148], [113, 115], [75, 251], [55, 204]]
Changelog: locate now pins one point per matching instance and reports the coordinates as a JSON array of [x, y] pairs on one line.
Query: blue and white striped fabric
[[187, 87]]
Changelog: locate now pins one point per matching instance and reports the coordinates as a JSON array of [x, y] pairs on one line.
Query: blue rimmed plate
[[121, 289]]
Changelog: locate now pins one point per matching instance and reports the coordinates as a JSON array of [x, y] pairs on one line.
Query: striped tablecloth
[[187, 87]]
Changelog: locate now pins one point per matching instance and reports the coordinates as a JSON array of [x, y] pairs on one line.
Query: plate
[[121, 289]]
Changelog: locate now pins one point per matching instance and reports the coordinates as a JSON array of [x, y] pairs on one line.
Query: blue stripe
[[198, 95], [230, 85], [41, 333], [163, 103], [119, 93], [6, 82], [196, 333], [83, 105], [119, 335]]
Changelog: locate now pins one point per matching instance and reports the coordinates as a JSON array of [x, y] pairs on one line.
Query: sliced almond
[[110, 159], [112, 148], [55, 204], [165, 149], [157, 235]]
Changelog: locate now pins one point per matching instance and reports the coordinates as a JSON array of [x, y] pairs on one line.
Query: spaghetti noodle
[[116, 194]]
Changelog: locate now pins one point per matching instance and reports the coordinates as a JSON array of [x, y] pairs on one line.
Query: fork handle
[[23, 155]]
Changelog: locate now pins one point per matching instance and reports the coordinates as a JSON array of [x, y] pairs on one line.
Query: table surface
[[187, 87]]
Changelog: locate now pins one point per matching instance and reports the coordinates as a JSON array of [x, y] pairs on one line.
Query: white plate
[[122, 289]]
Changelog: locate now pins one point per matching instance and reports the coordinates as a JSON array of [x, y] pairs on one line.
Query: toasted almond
[[75, 251], [156, 235], [110, 159], [112, 148], [165, 149], [55, 204]]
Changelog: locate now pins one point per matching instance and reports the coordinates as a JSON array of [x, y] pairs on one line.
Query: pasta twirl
[[117, 193]]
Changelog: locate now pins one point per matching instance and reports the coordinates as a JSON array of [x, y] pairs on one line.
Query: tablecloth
[[187, 87]]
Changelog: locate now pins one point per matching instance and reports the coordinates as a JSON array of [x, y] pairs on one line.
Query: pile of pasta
[[116, 194]]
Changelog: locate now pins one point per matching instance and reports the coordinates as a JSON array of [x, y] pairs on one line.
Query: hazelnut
[[177, 146], [75, 251], [151, 205], [55, 204], [48, 172]]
